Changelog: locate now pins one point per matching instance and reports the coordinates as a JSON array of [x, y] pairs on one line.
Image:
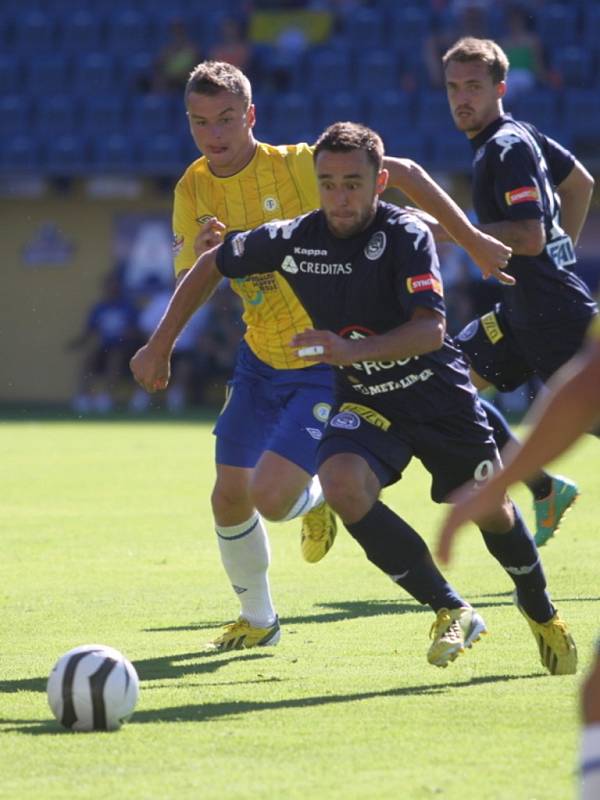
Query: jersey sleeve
[[418, 279], [250, 252], [516, 183], [187, 218], [560, 160]]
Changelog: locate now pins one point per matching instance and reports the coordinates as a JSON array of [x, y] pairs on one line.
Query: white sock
[[309, 498], [246, 557], [590, 762]]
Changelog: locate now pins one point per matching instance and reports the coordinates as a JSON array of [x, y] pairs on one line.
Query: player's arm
[[557, 420], [489, 254], [424, 333], [151, 364], [575, 193], [526, 237]]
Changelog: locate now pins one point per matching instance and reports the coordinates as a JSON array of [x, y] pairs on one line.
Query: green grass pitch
[[107, 537]]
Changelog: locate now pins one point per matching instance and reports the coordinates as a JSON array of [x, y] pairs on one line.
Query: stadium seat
[[34, 32], [56, 114], [364, 29], [433, 112], [390, 110], [408, 25], [538, 107], [338, 107], [450, 151], [575, 65], [103, 114], [129, 30], [48, 74], [329, 70], [161, 155], [15, 115], [136, 70], [66, 156], [377, 68], [113, 153], [558, 25], [152, 113], [10, 74], [292, 120], [581, 111], [82, 31], [404, 143], [95, 73], [19, 154]]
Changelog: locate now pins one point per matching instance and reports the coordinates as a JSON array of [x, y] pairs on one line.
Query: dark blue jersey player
[[534, 195], [367, 274]]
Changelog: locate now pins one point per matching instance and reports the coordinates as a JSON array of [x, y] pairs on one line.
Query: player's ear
[[501, 89], [251, 115], [381, 181]]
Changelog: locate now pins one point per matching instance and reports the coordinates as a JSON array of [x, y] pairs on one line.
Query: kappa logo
[[285, 227], [506, 142], [376, 246], [419, 230], [346, 420], [289, 265], [238, 243]]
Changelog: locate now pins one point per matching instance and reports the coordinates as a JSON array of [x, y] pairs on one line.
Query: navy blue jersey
[[364, 285], [516, 172]]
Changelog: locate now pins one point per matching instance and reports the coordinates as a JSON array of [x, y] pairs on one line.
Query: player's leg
[[284, 485], [496, 359], [589, 752], [352, 477], [475, 457]]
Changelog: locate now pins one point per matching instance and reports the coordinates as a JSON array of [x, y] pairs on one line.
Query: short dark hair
[[345, 137], [485, 50], [212, 77]]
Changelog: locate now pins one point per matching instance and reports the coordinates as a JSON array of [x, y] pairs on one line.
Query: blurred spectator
[[111, 337], [525, 53], [284, 57], [459, 18], [177, 58], [233, 45]]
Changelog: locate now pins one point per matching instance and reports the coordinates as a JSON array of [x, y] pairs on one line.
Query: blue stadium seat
[[338, 107], [66, 156], [113, 153], [575, 64], [129, 31], [450, 151], [538, 107], [433, 112], [591, 25], [48, 74], [57, 114], [408, 25], [136, 70], [292, 120], [19, 153], [104, 114], [581, 111], [404, 143], [161, 155], [364, 29], [82, 31], [14, 115], [377, 70], [96, 73], [391, 110], [34, 32], [10, 74], [152, 113], [557, 24], [330, 70]]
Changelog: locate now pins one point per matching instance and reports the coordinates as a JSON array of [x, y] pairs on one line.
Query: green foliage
[[107, 537]]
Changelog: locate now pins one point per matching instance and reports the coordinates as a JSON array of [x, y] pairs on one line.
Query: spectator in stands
[[112, 337], [460, 18], [176, 59], [233, 46], [523, 48]]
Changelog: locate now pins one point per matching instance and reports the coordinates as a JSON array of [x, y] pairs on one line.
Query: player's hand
[[150, 369], [324, 346], [210, 235], [471, 502], [492, 257]]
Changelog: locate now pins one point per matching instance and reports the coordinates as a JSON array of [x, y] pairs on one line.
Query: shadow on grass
[[152, 669], [207, 712]]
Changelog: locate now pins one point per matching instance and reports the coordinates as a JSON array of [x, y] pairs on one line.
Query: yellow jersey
[[278, 183]]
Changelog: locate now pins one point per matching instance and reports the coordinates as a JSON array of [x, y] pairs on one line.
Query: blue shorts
[[282, 410], [507, 357], [453, 449]]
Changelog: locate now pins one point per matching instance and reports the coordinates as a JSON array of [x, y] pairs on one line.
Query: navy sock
[[393, 546], [517, 553], [541, 483]]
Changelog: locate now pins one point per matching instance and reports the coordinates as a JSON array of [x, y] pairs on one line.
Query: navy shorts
[[283, 410], [507, 357], [453, 449]]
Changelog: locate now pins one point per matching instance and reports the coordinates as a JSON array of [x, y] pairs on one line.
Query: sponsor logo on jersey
[[238, 243], [561, 252], [391, 386], [368, 414], [376, 246], [270, 204], [347, 420], [315, 433], [427, 282], [469, 331], [177, 243], [289, 265], [418, 229], [308, 251], [491, 326], [321, 411], [524, 194]]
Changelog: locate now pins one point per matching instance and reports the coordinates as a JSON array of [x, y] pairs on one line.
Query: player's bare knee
[[501, 520], [228, 502], [270, 501]]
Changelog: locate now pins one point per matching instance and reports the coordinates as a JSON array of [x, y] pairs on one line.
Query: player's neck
[[237, 165]]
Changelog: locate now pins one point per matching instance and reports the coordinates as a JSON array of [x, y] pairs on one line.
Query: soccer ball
[[93, 688]]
